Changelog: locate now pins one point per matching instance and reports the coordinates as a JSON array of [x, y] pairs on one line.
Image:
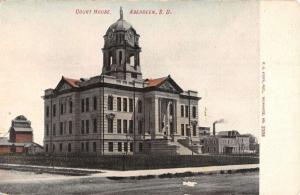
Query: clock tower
[[121, 51]]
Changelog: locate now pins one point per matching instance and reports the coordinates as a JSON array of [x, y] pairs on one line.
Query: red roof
[[72, 82], [156, 82]]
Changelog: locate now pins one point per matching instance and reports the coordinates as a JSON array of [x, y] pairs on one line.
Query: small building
[[20, 137], [226, 142], [204, 131]]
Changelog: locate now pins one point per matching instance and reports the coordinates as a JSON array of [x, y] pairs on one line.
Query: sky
[[208, 46]]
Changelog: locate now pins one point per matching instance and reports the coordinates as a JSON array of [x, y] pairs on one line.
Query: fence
[[123, 162]]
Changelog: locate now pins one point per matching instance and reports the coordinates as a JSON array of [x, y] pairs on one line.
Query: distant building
[[20, 137], [226, 142], [204, 131]]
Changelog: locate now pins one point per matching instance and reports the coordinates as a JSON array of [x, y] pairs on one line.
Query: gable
[[167, 86], [66, 83], [63, 87]]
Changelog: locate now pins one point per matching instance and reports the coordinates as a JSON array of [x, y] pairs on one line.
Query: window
[[186, 111], [131, 147], [119, 104], [133, 75], [87, 104], [65, 127], [61, 126], [82, 126], [70, 127], [125, 104], [182, 110], [171, 127], [61, 109], [124, 126], [46, 147], [119, 146], [125, 146], [140, 147], [47, 111], [95, 103], [69, 147], [140, 127], [182, 129], [70, 106], [60, 147], [171, 110], [54, 129], [110, 125], [110, 146], [54, 110], [110, 102], [53, 147], [87, 146], [194, 130], [94, 146], [82, 147], [87, 126], [47, 129], [140, 106], [120, 54], [95, 125], [130, 105], [130, 126], [119, 128], [194, 112], [82, 105], [187, 130]]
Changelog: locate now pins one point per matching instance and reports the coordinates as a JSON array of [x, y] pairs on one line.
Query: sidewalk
[[136, 173]]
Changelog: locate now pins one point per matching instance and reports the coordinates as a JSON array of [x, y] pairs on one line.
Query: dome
[[120, 24], [21, 117]]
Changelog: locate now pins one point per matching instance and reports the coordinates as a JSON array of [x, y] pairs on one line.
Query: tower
[[121, 51]]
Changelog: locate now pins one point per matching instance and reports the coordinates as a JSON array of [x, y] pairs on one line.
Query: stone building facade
[[120, 112]]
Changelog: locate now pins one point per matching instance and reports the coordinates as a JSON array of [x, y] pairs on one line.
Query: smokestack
[[214, 125]]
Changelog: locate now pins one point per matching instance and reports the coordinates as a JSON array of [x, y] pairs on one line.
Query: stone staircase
[[196, 148]]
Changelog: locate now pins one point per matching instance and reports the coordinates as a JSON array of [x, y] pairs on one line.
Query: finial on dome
[[121, 13]]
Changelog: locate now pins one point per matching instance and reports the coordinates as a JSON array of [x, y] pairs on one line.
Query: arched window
[[171, 109], [110, 103], [70, 106], [140, 106], [120, 57]]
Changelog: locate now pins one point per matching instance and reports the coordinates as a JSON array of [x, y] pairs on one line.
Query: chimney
[[214, 125]]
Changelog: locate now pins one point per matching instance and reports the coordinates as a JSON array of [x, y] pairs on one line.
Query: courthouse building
[[119, 111]]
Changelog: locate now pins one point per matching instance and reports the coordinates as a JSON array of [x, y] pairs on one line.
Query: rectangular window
[[131, 126], [61, 109], [186, 111], [54, 129], [95, 103], [70, 106], [187, 130], [47, 111], [54, 110], [131, 147], [182, 129], [125, 146], [140, 147], [194, 112], [140, 104], [125, 104], [95, 125], [110, 125], [82, 126], [65, 127], [87, 126], [82, 105], [110, 146], [60, 147], [47, 129], [87, 144], [119, 146], [70, 127], [194, 130], [182, 110], [94, 146], [124, 126], [87, 104], [130, 105], [69, 147], [119, 128], [82, 147], [140, 127], [61, 126], [110, 101], [119, 104]]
